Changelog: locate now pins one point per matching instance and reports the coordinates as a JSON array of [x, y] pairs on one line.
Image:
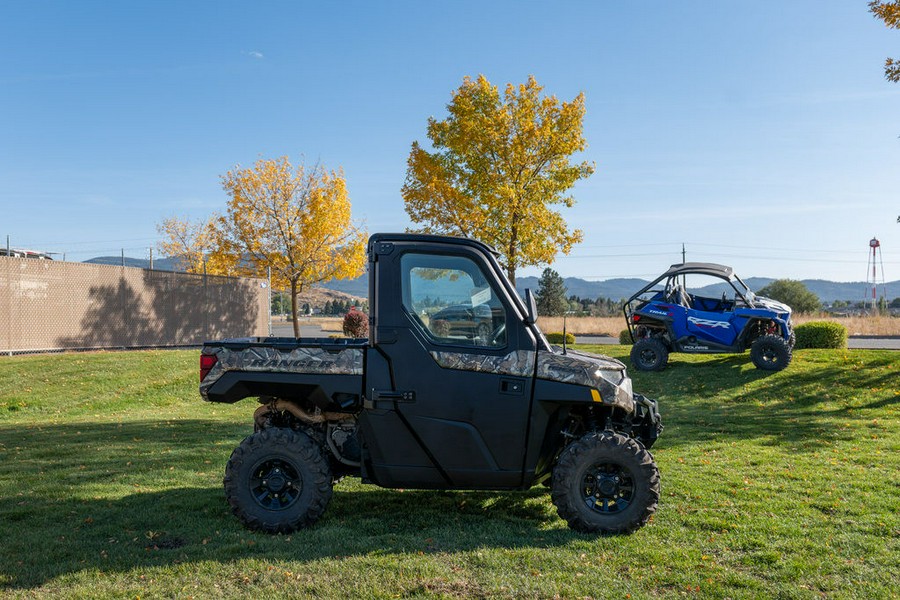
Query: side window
[[452, 300]]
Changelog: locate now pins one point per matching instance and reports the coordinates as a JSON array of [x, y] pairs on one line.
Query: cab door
[[447, 404]]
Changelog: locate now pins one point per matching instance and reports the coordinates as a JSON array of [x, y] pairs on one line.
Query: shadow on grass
[[726, 398], [70, 502], [47, 539]]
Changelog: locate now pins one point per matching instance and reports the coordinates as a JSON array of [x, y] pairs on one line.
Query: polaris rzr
[[668, 316]]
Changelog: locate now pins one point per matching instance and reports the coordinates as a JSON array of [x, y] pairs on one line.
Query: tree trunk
[[294, 315], [511, 258]]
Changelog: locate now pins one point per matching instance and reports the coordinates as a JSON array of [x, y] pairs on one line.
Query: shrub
[[356, 324], [820, 334], [556, 337], [625, 338]]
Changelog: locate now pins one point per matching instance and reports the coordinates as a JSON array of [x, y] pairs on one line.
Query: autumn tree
[[889, 13], [293, 220], [499, 165], [193, 243]]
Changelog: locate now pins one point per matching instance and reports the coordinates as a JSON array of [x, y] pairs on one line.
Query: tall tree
[[295, 221], [889, 13], [551, 294], [194, 244], [793, 293], [499, 164]]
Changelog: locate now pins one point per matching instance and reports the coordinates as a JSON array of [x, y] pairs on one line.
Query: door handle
[[513, 387]]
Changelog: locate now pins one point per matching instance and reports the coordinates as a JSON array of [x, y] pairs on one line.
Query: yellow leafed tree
[[294, 220], [500, 163], [193, 243], [889, 13]]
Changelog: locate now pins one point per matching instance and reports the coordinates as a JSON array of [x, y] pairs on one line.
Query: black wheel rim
[[608, 488], [769, 354], [275, 484], [648, 357]]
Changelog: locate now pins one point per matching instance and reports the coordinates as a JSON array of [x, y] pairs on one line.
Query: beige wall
[[47, 305]]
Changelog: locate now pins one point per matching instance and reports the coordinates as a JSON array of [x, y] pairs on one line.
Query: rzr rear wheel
[[649, 354]]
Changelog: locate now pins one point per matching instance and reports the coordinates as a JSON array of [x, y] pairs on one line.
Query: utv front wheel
[[770, 353], [277, 481], [605, 483], [649, 354]]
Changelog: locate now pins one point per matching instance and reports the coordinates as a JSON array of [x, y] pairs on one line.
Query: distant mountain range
[[618, 289], [159, 264], [615, 289]]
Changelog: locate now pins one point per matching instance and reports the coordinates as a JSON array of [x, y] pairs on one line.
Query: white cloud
[[254, 54]]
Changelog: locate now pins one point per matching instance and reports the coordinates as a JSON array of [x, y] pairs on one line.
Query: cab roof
[[431, 239]]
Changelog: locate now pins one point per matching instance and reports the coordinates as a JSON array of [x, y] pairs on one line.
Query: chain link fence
[[48, 305]]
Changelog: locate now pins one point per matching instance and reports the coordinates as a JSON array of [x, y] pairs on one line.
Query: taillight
[[635, 318], [207, 362]]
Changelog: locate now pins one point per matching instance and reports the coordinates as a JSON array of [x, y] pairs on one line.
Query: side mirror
[[531, 308]]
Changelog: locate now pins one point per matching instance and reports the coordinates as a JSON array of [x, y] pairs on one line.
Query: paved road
[[855, 342]]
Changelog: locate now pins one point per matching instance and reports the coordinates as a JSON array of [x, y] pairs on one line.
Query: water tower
[[872, 281]]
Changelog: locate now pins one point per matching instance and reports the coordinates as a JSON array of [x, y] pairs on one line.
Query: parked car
[[17, 253], [466, 320]]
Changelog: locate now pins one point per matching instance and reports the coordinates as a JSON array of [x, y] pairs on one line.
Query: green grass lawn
[[773, 485]]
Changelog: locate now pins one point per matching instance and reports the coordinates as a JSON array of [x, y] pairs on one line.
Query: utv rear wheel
[[277, 481], [649, 354], [770, 353], [605, 483]]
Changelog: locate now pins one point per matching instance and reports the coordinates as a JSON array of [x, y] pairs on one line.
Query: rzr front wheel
[[770, 353]]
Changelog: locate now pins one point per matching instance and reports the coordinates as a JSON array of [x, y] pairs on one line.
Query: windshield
[[748, 293]]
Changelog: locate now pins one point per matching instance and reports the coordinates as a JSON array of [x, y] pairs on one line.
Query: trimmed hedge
[[820, 334], [625, 338], [556, 337]]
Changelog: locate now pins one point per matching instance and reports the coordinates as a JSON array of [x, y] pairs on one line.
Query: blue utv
[[668, 316]]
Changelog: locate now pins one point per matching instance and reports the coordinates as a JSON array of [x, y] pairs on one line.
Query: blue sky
[[759, 134]]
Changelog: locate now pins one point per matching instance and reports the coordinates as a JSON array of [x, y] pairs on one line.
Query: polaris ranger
[[423, 405]]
